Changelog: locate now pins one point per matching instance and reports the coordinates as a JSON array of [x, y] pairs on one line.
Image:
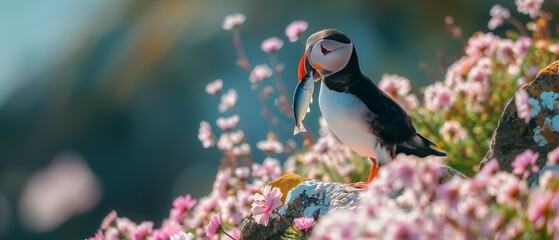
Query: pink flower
[[126, 227], [229, 123], [453, 131], [242, 172], [438, 96], [511, 191], [260, 73], [498, 15], [182, 236], [553, 157], [270, 169], [205, 134], [228, 100], [402, 230], [98, 236], [271, 45], [213, 227], [241, 150], [395, 86], [523, 160], [303, 223], [539, 207], [168, 228], [233, 21], [521, 99], [481, 45], [265, 203], [506, 51], [143, 230], [295, 29], [270, 146], [529, 7], [181, 206], [522, 46], [225, 142], [109, 220], [214, 87], [554, 48]]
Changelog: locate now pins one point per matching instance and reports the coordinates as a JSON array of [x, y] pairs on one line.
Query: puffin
[[358, 113]]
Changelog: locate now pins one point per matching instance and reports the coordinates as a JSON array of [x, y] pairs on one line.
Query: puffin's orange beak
[[303, 64], [305, 67]]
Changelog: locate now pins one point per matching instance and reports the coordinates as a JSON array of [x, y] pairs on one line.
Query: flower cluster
[[407, 201]]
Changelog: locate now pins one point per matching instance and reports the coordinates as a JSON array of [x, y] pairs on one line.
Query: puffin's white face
[[329, 56]]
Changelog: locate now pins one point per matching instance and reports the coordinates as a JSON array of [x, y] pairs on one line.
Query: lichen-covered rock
[[307, 199], [541, 134], [310, 198]]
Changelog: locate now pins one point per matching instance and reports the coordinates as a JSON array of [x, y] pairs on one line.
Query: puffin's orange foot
[[360, 185]]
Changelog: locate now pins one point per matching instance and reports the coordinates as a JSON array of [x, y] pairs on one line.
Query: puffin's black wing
[[387, 119]]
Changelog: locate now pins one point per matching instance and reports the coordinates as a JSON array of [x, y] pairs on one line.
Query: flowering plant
[[458, 112]]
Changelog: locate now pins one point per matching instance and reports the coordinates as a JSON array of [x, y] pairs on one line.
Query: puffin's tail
[[419, 146]]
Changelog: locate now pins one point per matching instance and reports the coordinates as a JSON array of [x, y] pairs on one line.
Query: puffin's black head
[[327, 52]]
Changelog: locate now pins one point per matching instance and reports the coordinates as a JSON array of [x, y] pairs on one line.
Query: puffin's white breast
[[345, 115]]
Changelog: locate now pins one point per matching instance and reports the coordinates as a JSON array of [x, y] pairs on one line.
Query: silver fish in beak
[[302, 98]]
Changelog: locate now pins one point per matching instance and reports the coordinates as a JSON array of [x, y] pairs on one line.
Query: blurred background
[[100, 101]]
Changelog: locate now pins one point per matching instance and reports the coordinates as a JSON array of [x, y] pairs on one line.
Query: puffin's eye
[[324, 50]]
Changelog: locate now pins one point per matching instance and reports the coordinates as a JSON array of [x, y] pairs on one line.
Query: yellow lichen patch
[[287, 182]]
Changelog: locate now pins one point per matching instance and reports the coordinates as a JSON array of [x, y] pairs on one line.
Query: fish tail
[[299, 129]]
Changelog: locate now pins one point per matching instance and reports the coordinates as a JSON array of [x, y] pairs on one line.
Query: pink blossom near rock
[[303, 223], [511, 191], [523, 161], [529, 7], [260, 73], [265, 203], [213, 227], [205, 134], [294, 30], [228, 101], [452, 131], [214, 87], [270, 146], [539, 206], [233, 21], [182, 236], [270, 169], [521, 99], [498, 15], [437, 97], [109, 220], [395, 86], [271, 45], [228, 123], [65, 188], [553, 157], [481, 45]]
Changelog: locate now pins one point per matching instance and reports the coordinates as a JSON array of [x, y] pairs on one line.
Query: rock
[[541, 134], [311, 198], [307, 199]]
